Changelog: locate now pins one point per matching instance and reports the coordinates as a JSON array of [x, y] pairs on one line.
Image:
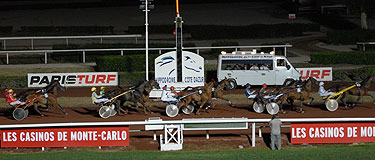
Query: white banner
[[166, 68], [73, 79], [192, 69], [320, 74]]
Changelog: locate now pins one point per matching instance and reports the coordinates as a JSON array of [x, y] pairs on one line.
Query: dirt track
[[218, 139]]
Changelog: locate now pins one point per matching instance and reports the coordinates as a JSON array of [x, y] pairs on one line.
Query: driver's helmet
[[264, 85], [93, 89], [172, 88], [321, 83], [248, 84], [10, 91], [6, 89]]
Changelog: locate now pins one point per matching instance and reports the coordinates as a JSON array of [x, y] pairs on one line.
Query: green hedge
[[353, 75], [233, 32], [126, 63], [13, 82], [352, 57], [350, 36]]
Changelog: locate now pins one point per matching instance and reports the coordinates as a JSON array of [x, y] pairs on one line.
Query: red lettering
[[326, 73], [315, 74], [90, 81], [100, 78], [80, 78], [111, 78], [306, 76]]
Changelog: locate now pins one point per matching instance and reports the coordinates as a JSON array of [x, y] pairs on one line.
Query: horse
[[218, 90], [358, 91], [291, 93], [138, 94], [39, 97], [204, 98]]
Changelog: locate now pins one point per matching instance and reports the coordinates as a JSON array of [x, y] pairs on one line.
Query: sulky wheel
[[188, 109], [26, 112], [113, 111], [171, 110], [332, 105], [272, 108], [258, 107], [105, 112], [19, 114]]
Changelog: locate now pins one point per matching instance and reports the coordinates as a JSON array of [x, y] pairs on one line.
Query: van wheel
[[232, 84]]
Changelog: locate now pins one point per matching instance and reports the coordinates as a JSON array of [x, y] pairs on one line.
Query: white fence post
[[45, 57], [7, 58], [83, 57], [122, 52], [32, 44], [253, 134]]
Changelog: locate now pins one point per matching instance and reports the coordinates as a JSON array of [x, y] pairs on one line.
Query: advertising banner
[[166, 68], [73, 79], [332, 133], [65, 137], [320, 74], [192, 69]]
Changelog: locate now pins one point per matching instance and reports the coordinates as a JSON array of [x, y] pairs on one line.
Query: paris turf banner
[[332, 133], [65, 137], [73, 79]]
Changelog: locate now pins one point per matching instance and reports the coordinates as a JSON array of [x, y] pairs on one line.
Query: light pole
[[145, 5], [146, 39]]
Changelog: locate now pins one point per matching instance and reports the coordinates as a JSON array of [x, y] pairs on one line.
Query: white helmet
[[321, 83]]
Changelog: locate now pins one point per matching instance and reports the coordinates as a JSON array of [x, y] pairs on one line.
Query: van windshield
[[247, 65]]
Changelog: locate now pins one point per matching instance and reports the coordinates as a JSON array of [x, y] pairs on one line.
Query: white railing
[[190, 121], [364, 44], [121, 50], [4, 39]]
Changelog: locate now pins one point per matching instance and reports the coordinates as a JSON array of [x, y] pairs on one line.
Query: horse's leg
[[200, 107], [119, 109], [311, 100], [37, 110], [57, 105], [372, 97], [145, 107]]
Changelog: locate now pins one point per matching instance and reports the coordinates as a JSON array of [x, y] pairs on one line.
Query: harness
[[111, 100], [279, 95], [199, 91]]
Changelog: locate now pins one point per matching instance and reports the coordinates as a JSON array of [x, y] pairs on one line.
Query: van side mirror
[[288, 66]]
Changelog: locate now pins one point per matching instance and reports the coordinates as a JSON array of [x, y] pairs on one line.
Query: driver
[[168, 96], [323, 92], [11, 98], [95, 98], [248, 91], [263, 92]]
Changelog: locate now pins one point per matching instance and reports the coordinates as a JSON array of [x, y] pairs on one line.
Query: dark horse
[[358, 91], [292, 94], [36, 97], [138, 94]]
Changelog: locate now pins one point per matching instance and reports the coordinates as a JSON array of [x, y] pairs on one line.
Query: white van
[[255, 68]]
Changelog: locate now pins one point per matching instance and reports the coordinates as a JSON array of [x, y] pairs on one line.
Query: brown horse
[[358, 91], [202, 99], [218, 92], [292, 93], [39, 97]]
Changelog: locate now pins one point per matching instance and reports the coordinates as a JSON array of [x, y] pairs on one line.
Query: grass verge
[[364, 151]]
